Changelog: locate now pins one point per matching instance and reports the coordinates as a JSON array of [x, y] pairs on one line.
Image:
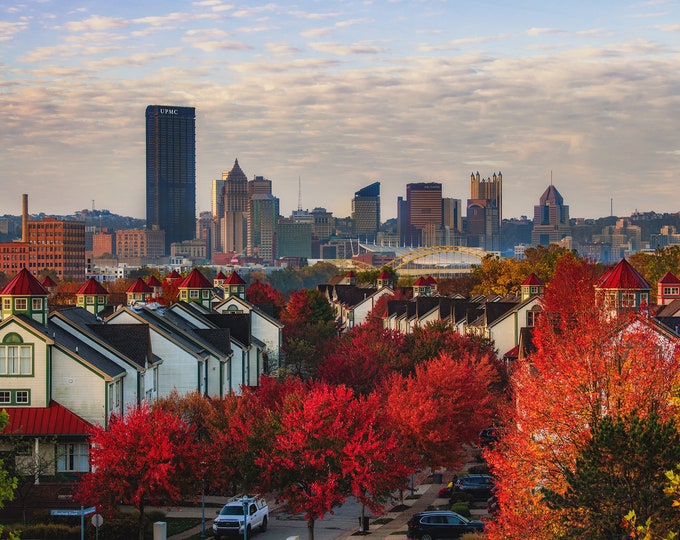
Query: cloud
[[340, 49], [10, 29], [96, 23]]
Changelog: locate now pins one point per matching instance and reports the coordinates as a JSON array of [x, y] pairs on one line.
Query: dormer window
[[20, 304], [193, 293], [37, 304], [6, 304], [628, 300]]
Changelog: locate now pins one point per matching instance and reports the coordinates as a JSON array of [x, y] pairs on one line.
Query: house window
[[206, 293], [72, 457], [90, 299], [628, 300], [115, 395], [101, 300], [16, 359], [20, 304], [671, 291], [6, 304], [37, 304], [193, 293], [15, 397]]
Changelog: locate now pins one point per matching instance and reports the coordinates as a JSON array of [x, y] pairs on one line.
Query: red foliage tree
[[363, 358], [443, 406], [263, 295], [588, 365], [147, 457], [330, 445]]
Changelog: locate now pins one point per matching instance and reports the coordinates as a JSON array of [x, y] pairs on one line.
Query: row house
[[79, 365], [351, 302]]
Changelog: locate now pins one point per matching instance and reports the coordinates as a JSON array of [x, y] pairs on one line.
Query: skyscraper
[[366, 211], [419, 217], [485, 212], [551, 218], [171, 171], [235, 210]]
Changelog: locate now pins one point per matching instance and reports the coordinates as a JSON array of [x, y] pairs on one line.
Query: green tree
[[621, 468]]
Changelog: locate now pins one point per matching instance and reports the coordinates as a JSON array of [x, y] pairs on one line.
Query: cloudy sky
[[338, 94]]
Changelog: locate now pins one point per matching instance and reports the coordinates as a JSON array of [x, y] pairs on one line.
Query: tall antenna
[[299, 194], [551, 177]]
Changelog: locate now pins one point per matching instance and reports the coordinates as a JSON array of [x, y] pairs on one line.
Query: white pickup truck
[[253, 511]]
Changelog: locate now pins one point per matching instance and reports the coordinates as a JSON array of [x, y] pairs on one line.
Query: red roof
[[195, 280], [24, 284], [92, 286], [234, 279], [669, 278], [220, 275], [138, 286], [384, 275], [430, 280], [48, 282], [351, 274], [173, 275], [420, 282], [623, 276], [153, 282], [52, 420], [533, 279]]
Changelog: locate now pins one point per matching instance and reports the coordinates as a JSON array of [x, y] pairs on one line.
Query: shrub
[[461, 508], [50, 531], [479, 469], [461, 496]]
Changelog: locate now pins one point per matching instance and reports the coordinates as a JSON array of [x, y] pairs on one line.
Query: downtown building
[[551, 219], [366, 212], [49, 243], [419, 216], [171, 172], [484, 212]]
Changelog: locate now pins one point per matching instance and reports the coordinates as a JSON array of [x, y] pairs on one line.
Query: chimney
[[24, 217]]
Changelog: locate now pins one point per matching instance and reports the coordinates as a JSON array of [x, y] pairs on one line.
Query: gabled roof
[[40, 421], [238, 325], [623, 276], [669, 277], [669, 310], [421, 282], [92, 286], [195, 280], [174, 275], [139, 286], [48, 282], [430, 280], [234, 279], [220, 275], [132, 340], [153, 281], [24, 284], [350, 274], [384, 275], [532, 279]]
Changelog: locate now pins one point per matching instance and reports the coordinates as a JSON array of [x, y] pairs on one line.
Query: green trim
[[13, 397], [12, 338]]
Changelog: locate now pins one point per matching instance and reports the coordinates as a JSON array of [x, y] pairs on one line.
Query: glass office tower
[[171, 171]]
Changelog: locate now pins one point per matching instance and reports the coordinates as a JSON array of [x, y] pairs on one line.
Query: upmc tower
[[171, 172]]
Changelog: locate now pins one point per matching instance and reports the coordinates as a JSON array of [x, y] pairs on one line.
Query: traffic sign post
[[82, 513]]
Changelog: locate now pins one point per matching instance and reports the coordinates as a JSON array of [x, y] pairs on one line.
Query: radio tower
[[299, 194]]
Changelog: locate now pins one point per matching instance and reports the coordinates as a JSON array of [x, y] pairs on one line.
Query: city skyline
[[339, 95]]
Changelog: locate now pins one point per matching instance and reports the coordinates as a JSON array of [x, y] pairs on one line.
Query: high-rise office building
[[551, 218], [484, 212], [366, 212], [235, 210], [419, 217], [263, 213], [171, 171]]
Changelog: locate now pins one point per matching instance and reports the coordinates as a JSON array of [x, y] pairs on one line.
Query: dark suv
[[441, 524], [480, 486]]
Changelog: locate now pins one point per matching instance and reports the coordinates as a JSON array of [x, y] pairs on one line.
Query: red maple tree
[[443, 406], [363, 358], [329, 445], [588, 364], [263, 295], [147, 457]]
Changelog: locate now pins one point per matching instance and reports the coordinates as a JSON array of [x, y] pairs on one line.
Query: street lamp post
[[245, 500]]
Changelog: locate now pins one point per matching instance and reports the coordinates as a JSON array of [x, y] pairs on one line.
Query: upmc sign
[[169, 111]]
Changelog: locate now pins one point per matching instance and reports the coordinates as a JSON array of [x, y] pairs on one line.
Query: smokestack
[[24, 217]]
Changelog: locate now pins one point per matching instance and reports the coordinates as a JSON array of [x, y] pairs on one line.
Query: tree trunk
[[140, 524], [310, 529]]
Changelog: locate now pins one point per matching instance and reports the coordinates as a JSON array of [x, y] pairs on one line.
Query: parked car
[[441, 524], [230, 520], [480, 486]]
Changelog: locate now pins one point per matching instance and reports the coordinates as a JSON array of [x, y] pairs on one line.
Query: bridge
[[436, 261]]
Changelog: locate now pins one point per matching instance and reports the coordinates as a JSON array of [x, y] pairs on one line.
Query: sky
[[330, 96]]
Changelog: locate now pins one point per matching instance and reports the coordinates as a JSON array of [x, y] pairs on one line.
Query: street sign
[[81, 512], [97, 520]]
